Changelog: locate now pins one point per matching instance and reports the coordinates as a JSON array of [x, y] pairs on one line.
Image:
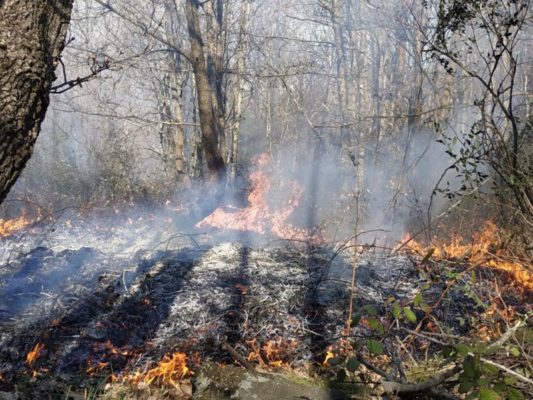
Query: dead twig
[[410, 388], [235, 354], [505, 369]]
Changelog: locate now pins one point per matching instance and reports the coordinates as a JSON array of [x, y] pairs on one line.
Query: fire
[[273, 353], [91, 370], [485, 249], [329, 355], [259, 217], [11, 226], [170, 370], [34, 354]]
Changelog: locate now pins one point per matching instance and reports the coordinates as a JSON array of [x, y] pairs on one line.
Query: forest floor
[[135, 312]]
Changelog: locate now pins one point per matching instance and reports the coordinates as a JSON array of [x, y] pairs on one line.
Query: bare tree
[[205, 87]]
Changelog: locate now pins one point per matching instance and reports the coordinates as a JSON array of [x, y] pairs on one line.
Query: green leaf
[[334, 361], [473, 277], [472, 396], [411, 316], [488, 369], [356, 318], [341, 376], [515, 394], [462, 349], [500, 388], [352, 364], [374, 347], [376, 325], [469, 368], [510, 380], [396, 310], [515, 351], [418, 300], [370, 310], [486, 393], [465, 387], [447, 351]]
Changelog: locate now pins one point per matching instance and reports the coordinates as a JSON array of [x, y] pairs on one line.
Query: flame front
[[259, 217], [34, 354], [485, 249]]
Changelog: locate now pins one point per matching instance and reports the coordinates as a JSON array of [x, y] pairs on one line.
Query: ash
[[163, 291]]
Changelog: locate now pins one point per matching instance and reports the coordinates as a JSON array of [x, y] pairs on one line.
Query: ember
[[33, 355], [259, 217], [485, 249]]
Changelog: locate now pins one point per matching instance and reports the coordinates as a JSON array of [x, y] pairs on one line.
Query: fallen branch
[[394, 387], [506, 370], [235, 354]]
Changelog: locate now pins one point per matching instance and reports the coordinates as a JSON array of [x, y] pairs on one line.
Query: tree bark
[[32, 36], [206, 108], [238, 87]]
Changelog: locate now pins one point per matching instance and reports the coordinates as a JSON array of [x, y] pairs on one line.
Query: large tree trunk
[[204, 90], [32, 36]]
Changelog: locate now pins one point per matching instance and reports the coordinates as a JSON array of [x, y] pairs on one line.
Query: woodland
[[334, 197]]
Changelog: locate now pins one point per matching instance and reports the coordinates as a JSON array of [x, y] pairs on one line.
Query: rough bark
[[32, 36], [206, 108]]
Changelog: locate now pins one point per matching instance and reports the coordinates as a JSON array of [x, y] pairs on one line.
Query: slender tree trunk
[[238, 88], [172, 101], [32, 36], [206, 108], [214, 47]]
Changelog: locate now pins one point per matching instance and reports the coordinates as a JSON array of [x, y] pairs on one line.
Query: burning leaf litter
[[485, 249], [154, 294], [170, 370], [259, 216]]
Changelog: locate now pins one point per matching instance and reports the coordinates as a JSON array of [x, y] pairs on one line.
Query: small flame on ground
[[484, 249], [11, 226], [329, 355], [100, 366], [170, 370], [34, 354], [273, 353], [259, 217]]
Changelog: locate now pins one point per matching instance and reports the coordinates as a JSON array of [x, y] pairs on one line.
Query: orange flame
[[93, 369], [11, 226], [329, 355], [484, 249], [34, 354], [258, 217], [170, 370], [273, 353]]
